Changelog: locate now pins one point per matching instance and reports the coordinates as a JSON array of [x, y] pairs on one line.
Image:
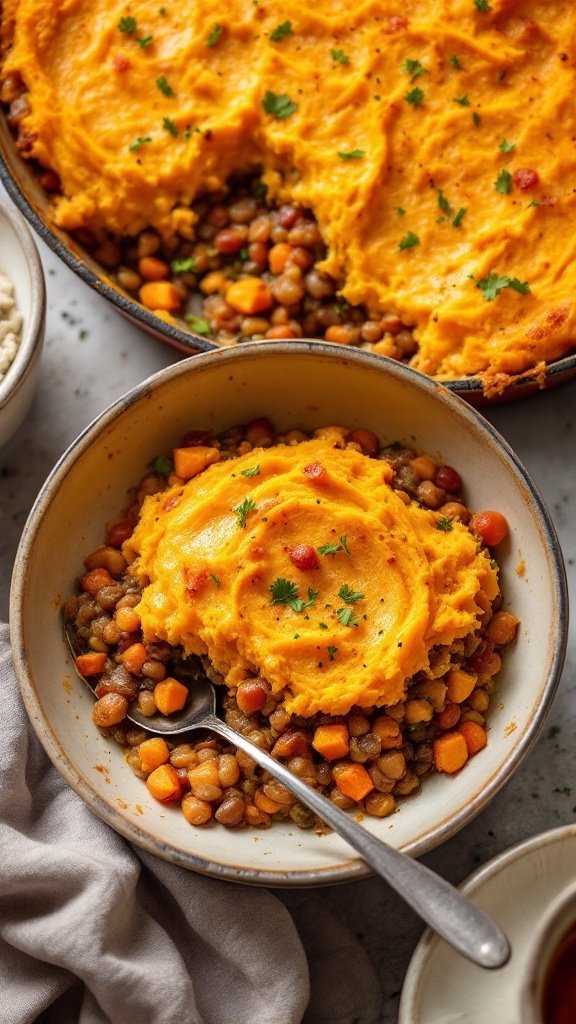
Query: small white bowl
[[549, 935], [296, 384], [20, 261]]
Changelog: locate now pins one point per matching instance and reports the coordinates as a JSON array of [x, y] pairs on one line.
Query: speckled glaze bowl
[[296, 384], [22, 185]]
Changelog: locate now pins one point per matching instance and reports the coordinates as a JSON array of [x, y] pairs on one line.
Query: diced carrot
[[388, 731], [170, 696], [278, 257], [91, 664], [474, 736], [332, 741], [450, 752], [93, 581], [153, 753], [265, 803], [353, 781], [448, 718], [460, 685], [164, 784], [134, 657], [188, 462], [251, 696], [153, 269], [249, 295], [160, 295]]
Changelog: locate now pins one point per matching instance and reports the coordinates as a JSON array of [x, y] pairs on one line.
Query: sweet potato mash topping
[[324, 584], [434, 142]]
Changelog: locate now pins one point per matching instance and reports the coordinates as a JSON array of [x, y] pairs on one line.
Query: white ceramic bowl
[[20, 261], [305, 384]]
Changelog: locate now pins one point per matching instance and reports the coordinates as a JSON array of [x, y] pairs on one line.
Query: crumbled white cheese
[[10, 325]]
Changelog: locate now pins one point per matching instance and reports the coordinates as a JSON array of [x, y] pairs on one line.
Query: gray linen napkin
[[93, 930]]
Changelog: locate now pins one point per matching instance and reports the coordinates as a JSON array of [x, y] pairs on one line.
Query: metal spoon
[[438, 903]]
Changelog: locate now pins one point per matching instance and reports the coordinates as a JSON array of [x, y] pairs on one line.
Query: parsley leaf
[[476, 118], [144, 41], [455, 62], [344, 543], [348, 595], [333, 549], [457, 222], [215, 579], [242, 511], [493, 284], [162, 464], [339, 57], [414, 68], [400, 211], [415, 97], [279, 106], [482, 5], [213, 36], [332, 651], [183, 266], [346, 617], [281, 31], [164, 86], [253, 471], [354, 154], [170, 126], [128, 25], [323, 625], [444, 524], [409, 241], [503, 183], [462, 100], [533, 203], [139, 142], [443, 202], [285, 592], [507, 147], [198, 325]]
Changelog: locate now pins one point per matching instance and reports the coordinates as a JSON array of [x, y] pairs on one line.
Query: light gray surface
[[92, 356]]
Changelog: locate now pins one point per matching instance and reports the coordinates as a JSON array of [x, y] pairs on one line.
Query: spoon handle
[[438, 903]]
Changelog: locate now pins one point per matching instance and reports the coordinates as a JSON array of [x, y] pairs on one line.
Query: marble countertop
[[92, 356]]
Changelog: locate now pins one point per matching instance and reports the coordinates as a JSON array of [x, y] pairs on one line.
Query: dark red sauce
[[559, 994]]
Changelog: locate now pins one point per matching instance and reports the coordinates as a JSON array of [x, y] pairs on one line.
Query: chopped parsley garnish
[[296, 636], [482, 5], [503, 183], [279, 106], [414, 68], [215, 579], [285, 592], [144, 41], [455, 62], [415, 97], [253, 471], [332, 651], [457, 222], [162, 464], [493, 284], [242, 511], [444, 524], [339, 57], [507, 147], [354, 154], [533, 203], [128, 25], [198, 325], [213, 36], [170, 126], [164, 86], [462, 100], [323, 625], [346, 617], [260, 190], [443, 202], [333, 549], [183, 266], [163, 11], [139, 142], [281, 31], [243, 254], [409, 241], [400, 211], [348, 595], [476, 118]]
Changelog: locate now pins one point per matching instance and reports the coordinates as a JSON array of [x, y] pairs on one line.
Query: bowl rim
[[33, 322], [185, 341], [352, 869]]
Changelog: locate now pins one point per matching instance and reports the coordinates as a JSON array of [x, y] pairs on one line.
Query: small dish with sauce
[[549, 991]]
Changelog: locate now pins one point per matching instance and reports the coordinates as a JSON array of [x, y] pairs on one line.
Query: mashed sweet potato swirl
[[434, 141], [215, 556]]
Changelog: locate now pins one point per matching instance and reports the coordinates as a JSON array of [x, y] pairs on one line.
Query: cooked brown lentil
[[211, 780]]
